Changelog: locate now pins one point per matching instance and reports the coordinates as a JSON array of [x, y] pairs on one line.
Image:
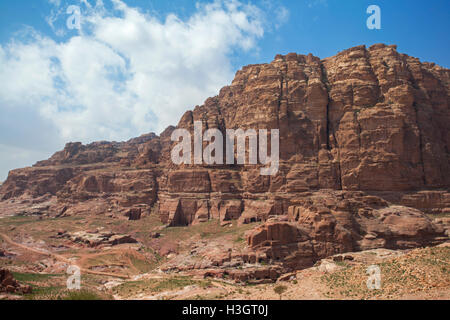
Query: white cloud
[[124, 73]]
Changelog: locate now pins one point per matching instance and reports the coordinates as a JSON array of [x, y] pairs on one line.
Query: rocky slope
[[364, 153]]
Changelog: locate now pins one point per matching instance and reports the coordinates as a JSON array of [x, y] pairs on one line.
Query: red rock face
[[330, 222], [366, 119], [370, 124]]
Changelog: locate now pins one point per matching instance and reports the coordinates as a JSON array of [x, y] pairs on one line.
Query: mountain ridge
[[364, 154]]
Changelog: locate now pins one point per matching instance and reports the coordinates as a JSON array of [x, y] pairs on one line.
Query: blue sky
[[322, 27], [136, 65]]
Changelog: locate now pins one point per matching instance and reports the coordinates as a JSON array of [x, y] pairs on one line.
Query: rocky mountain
[[364, 156]]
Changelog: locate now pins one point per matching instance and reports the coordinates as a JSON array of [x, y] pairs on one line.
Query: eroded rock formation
[[364, 152], [9, 285]]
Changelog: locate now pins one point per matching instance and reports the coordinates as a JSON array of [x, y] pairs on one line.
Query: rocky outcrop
[[97, 238], [367, 119], [328, 223], [364, 145], [128, 187], [142, 150], [35, 182], [9, 285]]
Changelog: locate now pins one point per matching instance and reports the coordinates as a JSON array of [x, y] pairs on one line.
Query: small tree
[[280, 290]]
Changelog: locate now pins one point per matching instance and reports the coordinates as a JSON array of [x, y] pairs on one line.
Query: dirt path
[[58, 257]]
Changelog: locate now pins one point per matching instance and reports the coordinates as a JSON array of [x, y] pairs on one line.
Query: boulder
[[9, 285]]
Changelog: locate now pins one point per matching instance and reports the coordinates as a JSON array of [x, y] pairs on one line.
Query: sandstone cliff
[[364, 152]]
